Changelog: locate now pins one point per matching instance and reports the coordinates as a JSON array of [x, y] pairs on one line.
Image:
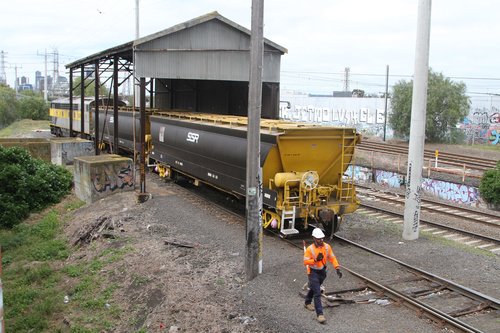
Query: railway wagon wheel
[[330, 222]]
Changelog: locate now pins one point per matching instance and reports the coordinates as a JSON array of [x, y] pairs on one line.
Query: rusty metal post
[[151, 94], [142, 110], [82, 103], [96, 116], [115, 103], [71, 102]]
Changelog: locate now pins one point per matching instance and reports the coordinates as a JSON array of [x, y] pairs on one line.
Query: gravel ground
[[203, 289]]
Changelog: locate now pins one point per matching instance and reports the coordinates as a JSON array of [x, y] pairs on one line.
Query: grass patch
[[485, 147], [24, 126], [37, 277], [30, 282]]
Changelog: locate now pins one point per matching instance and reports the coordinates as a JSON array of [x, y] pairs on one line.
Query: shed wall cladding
[[208, 51]]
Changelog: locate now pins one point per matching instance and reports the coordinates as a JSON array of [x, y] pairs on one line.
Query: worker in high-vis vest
[[315, 257]]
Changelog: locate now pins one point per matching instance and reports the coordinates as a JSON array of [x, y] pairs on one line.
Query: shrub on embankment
[[28, 185], [490, 186]]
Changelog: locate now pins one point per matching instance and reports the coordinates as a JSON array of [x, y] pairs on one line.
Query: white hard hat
[[318, 233]]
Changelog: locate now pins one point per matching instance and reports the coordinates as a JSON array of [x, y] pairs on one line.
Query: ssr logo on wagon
[[193, 137]]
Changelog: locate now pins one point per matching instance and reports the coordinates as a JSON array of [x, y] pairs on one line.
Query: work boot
[[321, 319], [309, 307]]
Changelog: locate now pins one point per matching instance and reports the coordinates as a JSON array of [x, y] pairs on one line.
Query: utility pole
[[346, 78], [16, 85], [385, 99], [46, 80], [55, 72], [136, 19], [3, 75], [417, 129], [253, 263]]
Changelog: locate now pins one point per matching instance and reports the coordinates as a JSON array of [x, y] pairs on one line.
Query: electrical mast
[[3, 76]]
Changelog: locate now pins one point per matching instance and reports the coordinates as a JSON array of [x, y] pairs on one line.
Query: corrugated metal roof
[[126, 50]]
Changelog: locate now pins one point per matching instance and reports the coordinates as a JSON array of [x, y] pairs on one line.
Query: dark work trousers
[[316, 278]]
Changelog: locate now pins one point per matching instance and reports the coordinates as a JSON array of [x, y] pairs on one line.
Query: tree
[[33, 107], [89, 89], [447, 105], [490, 186], [8, 106]]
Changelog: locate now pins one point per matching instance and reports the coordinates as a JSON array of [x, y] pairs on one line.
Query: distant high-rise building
[[38, 79]]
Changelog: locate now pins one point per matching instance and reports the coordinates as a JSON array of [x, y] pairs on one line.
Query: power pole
[[3, 75], [16, 85], [417, 129], [253, 263], [46, 80], [385, 99], [136, 19], [346, 78], [55, 72]]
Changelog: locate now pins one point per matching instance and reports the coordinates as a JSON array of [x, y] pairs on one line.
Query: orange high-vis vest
[[312, 252]]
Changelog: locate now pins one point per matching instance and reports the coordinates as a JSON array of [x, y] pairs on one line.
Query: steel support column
[[115, 104], [96, 115], [142, 110], [71, 102], [82, 102]]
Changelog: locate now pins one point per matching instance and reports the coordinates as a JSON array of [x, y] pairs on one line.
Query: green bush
[[490, 186], [28, 185]]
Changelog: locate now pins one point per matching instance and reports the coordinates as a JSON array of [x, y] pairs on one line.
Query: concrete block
[[64, 150], [96, 177]]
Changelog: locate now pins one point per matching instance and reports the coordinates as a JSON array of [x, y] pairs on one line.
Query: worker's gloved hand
[[339, 273], [319, 257]]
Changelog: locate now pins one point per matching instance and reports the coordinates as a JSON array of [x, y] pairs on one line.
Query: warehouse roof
[[126, 50]]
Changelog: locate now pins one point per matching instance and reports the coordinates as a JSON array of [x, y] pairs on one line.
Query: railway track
[[490, 222], [471, 162], [446, 303]]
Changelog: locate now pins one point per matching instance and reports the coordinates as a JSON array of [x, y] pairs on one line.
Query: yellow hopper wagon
[[304, 166]]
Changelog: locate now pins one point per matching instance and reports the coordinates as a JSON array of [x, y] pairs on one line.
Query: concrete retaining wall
[[64, 150], [38, 148]]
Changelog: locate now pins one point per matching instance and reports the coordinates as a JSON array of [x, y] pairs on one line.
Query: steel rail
[[430, 312], [426, 203], [471, 293], [442, 226], [483, 163]]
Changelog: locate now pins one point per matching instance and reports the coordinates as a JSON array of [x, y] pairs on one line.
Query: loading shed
[[201, 65]]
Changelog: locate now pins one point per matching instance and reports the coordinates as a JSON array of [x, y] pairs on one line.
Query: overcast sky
[[322, 36]]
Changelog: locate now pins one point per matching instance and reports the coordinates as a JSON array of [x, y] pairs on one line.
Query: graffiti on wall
[[483, 126], [111, 177], [458, 193], [315, 114], [362, 175], [389, 178]]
